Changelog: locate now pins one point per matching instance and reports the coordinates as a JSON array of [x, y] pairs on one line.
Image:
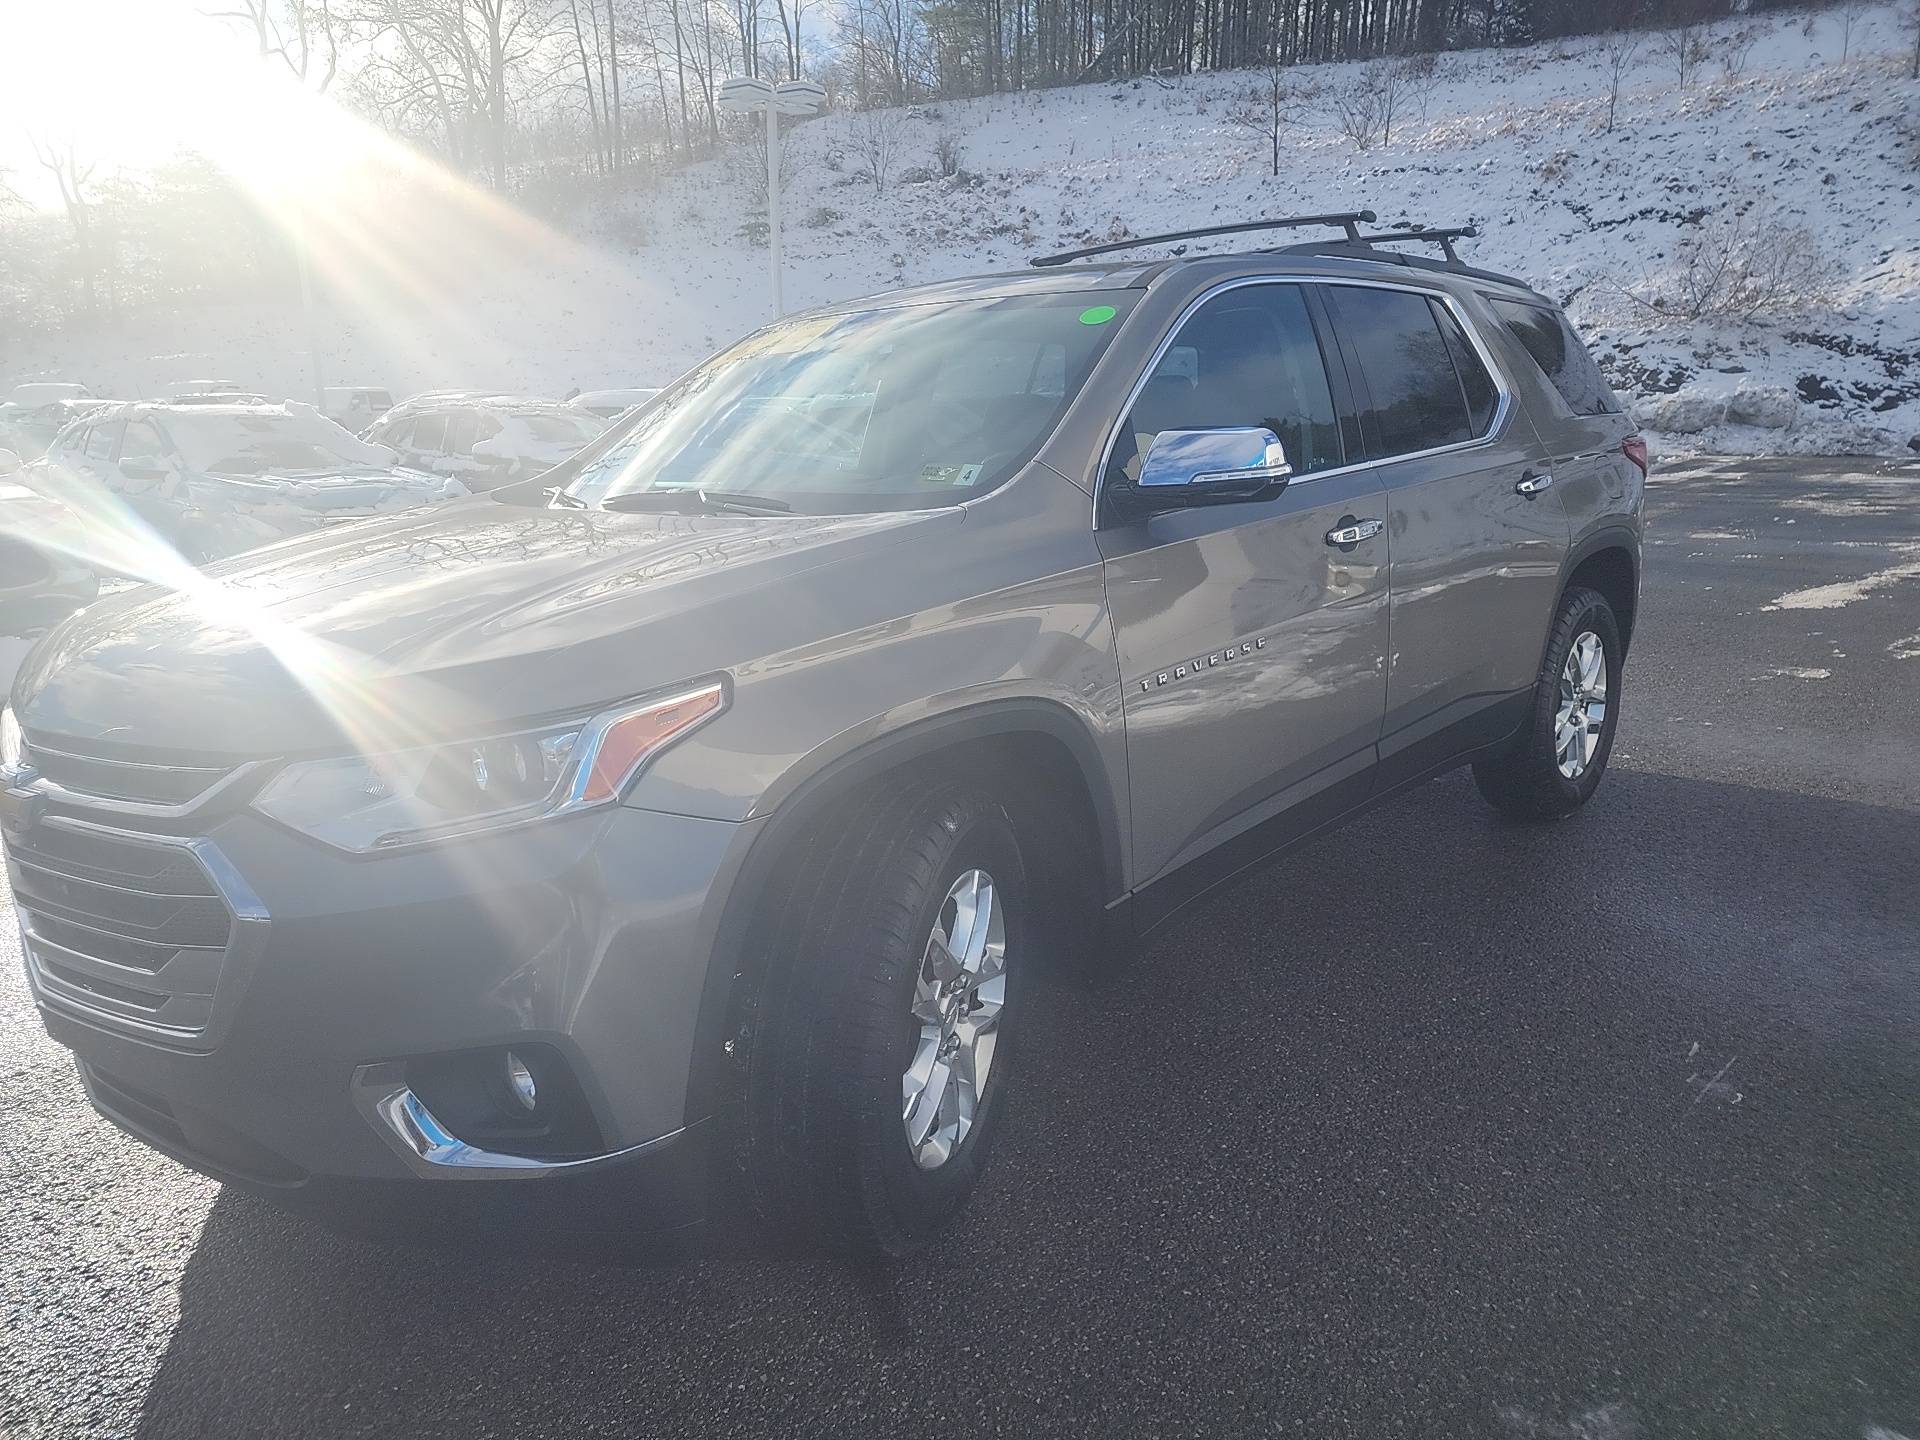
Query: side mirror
[[1231, 463], [9, 463]]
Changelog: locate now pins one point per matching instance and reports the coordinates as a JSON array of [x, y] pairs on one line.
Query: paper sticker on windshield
[[950, 474]]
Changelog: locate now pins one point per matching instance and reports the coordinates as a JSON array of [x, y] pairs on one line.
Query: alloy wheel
[[1583, 705], [957, 999]]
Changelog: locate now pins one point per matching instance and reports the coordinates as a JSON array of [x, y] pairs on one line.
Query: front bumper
[[589, 936]]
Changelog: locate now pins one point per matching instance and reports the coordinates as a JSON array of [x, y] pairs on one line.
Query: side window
[[398, 434], [486, 427], [460, 436], [1417, 402], [1247, 357], [430, 432], [1561, 356], [142, 442], [100, 440], [1483, 397]]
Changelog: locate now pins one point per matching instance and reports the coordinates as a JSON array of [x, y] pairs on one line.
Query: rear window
[[1418, 402], [1561, 356]]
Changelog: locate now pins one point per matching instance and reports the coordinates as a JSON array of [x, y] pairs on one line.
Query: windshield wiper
[[566, 501], [707, 502]]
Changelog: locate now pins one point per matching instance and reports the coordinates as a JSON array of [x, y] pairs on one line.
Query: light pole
[[789, 97]]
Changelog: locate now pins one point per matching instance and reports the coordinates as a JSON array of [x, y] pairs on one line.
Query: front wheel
[[877, 1061], [1554, 764]]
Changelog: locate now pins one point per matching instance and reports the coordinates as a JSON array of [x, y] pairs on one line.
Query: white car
[[357, 406], [484, 441], [46, 392]]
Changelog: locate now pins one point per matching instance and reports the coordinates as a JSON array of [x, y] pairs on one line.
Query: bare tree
[[1618, 54], [1849, 13], [61, 159], [1683, 46], [305, 35], [1741, 261], [1736, 49], [1365, 109], [947, 154], [876, 138], [1269, 107]]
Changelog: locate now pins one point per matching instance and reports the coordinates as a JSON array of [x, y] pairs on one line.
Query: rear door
[[1477, 543], [1252, 650], [1575, 413]]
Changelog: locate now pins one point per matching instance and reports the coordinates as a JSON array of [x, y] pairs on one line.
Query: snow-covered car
[[606, 404], [215, 479], [27, 428], [357, 406], [485, 441], [41, 392], [179, 389]]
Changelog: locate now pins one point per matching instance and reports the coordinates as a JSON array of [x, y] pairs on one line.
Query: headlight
[[13, 744], [410, 797]]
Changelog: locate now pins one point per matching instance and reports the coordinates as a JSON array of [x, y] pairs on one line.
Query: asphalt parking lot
[[1443, 1126]]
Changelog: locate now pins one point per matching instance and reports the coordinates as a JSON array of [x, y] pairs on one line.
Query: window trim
[[1502, 410]]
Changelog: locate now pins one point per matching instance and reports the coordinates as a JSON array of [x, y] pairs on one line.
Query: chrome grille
[[124, 779], [120, 926]]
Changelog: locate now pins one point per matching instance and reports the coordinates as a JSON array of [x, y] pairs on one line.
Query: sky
[[133, 82]]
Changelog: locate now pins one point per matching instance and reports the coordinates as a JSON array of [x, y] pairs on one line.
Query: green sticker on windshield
[[1098, 315]]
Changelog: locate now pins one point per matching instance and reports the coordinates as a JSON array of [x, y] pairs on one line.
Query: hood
[[452, 621]]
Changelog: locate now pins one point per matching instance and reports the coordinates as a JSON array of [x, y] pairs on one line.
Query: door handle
[[1532, 484], [1354, 533]]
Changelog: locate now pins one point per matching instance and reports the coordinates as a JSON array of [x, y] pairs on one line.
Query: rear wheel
[[877, 1060], [1556, 761]]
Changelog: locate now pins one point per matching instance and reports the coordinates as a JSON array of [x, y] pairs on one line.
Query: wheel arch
[[1608, 561], [1037, 754]]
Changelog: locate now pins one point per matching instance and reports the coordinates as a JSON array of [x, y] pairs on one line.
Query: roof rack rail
[[1441, 236], [1350, 221]]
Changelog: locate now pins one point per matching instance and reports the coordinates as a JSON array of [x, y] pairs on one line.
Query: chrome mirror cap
[[1229, 455]]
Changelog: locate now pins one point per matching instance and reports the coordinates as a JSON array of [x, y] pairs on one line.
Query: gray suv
[[690, 823]]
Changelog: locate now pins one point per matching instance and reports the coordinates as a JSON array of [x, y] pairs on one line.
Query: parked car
[[27, 429], [177, 389], [607, 404], [484, 440], [215, 477], [42, 580], [357, 406], [539, 856], [41, 392]]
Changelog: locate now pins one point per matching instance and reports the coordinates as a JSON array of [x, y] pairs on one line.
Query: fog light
[[520, 1081]]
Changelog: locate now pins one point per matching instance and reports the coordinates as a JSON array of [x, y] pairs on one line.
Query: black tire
[[824, 1146], [1525, 779]]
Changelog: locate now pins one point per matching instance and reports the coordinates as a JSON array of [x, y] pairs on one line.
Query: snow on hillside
[[1777, 153]]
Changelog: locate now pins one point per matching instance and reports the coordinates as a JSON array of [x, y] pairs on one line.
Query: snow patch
[[1845, 592]]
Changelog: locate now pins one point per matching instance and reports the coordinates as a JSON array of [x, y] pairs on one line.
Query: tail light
[[1635, 449]]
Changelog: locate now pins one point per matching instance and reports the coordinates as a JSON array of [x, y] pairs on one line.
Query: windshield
[[913, 407], [255, 444]]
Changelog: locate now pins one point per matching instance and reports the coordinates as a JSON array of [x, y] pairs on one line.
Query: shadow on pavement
[[1443, 1126]]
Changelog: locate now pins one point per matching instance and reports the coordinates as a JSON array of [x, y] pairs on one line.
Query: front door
[[1476, 553], [1252, 646]]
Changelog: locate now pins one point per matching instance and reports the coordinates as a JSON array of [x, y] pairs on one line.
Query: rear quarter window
[[1561, 355]]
